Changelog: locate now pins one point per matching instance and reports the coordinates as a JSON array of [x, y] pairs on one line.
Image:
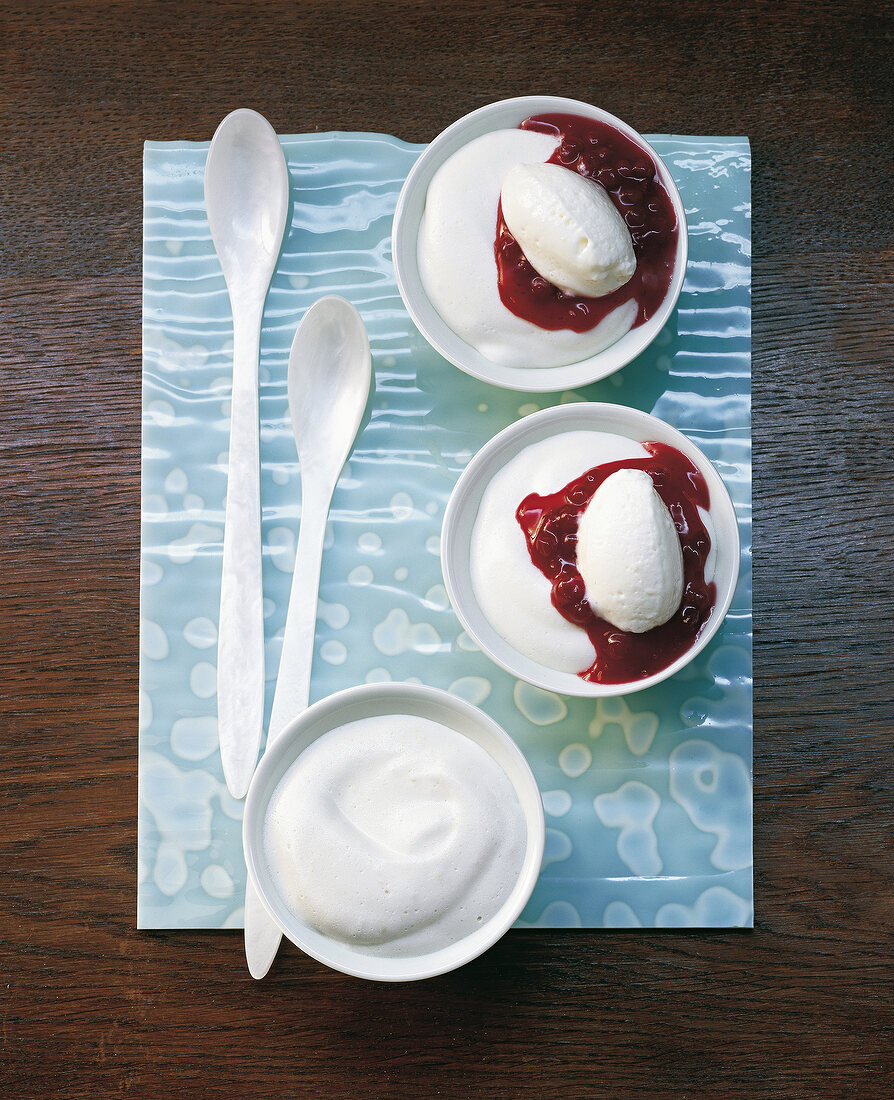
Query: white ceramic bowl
[[508, 114], [364, 702], [462, 511]]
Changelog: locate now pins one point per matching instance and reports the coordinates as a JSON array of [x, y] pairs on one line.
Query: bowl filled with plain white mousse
[[539, 243], [393, 831], [590, 549]]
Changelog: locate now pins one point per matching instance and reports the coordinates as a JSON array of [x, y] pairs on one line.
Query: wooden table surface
[[801, 1006]]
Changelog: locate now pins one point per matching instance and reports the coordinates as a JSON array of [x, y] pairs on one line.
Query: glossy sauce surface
[[629, 175], [550, 526]]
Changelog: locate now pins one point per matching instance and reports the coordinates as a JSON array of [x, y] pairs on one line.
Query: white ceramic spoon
[[329, 377], [247, 199]]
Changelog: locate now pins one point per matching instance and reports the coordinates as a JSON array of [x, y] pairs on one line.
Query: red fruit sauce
[[629, 175], [550, 527]]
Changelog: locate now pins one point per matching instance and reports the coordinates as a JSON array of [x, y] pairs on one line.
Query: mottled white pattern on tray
[[648, 798]]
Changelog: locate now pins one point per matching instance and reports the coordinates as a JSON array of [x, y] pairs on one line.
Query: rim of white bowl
[[509, 113], [350, 705], [462, 510]]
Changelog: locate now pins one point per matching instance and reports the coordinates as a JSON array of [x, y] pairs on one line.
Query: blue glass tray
[[647, 797]]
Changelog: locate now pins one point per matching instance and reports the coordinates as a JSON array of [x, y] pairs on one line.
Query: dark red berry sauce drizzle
[[550, 525], [627, 172]]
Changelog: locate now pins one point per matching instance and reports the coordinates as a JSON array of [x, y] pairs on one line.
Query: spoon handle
[[262, 934], [240, 654], [293, 679]]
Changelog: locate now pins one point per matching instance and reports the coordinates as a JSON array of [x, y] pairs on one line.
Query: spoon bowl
[[247, 198], [329, 376]]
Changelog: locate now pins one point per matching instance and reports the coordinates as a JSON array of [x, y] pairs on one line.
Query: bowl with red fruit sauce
[[465, 281], [509, 549]]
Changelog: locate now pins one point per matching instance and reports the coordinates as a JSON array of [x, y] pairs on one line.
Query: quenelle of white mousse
[[512, 592], [629, 555], [455, 255], [568, 228]]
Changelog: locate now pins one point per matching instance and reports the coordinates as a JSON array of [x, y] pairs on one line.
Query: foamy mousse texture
[[456, 261], [629, 555], [511, 591], [568, 228], [396, 835]]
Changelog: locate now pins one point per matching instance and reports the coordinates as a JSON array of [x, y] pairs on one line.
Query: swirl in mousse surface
[[395, 834]]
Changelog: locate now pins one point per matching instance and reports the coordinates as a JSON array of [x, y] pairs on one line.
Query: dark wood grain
[[801, 1007]]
